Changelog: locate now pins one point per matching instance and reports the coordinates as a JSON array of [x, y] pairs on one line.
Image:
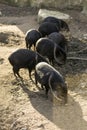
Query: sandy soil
[[22, 105]]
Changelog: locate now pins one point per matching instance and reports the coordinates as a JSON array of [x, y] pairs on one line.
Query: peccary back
[[24, 58], [61, 24], [31, 38], [59, 39], [46, 28], [49, 77], [49, 49]]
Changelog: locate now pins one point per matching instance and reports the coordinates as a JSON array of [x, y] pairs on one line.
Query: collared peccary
[[47, 27], [31, 38], [24, 58], [61, 24], [49, 77], [51, 50], [59, 39]]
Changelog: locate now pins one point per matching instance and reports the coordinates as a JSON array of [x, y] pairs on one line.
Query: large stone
[[43, 13], [11, 34]]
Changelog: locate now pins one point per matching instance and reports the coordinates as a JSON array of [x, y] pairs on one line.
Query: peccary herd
[[50, 47]]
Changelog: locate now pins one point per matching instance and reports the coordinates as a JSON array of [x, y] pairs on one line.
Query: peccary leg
[[16, 71], [35, 81], [34, 47], [42, 87], [47, 89], [26, 44], [29, 46], [35, 76], [30, 74]]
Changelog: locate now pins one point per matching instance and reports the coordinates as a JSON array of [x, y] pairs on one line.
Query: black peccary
[[49, 77], [24, 58], [47, 27], [31, 38], [61, 24], [51, 50], [59, 39]]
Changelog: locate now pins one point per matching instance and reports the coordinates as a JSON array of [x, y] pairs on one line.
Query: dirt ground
[[22, 105]]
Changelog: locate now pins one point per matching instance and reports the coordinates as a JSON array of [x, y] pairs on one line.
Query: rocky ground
[[22, 105]]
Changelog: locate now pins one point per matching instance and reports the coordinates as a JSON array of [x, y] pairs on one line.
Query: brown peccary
[[24, 58], [31, 38], [46, 28], [61, 24], [50, 78], [59, 39], [51, 50]]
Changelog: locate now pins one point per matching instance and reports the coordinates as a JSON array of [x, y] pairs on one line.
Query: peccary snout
[[50, 78], [31, 38], [24, 58]]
